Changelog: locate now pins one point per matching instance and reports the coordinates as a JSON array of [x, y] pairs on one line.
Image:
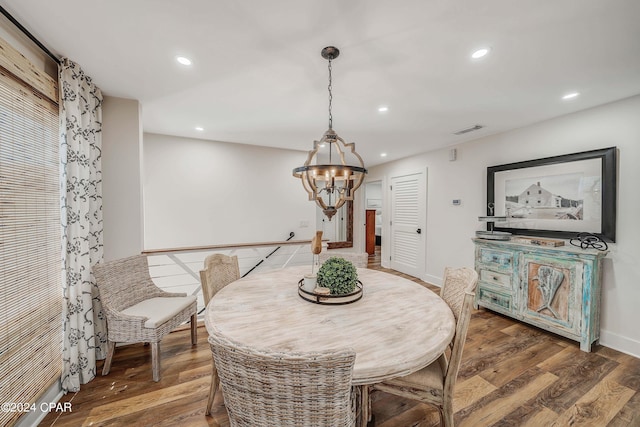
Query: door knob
[[419, 231]]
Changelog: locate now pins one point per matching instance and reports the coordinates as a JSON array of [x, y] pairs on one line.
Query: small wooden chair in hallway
[[219, 271], [435, 383], [137, 310]]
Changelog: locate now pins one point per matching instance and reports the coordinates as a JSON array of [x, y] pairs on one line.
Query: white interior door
[[408, 223]]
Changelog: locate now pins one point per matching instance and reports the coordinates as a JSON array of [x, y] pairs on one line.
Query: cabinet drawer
[[500, 259], [494, 278], [489, 296]]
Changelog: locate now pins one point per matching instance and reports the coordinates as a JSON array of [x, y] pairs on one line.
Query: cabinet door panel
[[552, 291]]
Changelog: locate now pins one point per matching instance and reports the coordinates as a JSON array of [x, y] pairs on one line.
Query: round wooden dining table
[[396, 328]]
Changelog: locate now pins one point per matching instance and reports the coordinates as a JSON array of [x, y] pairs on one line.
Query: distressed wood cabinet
[[553, 288]]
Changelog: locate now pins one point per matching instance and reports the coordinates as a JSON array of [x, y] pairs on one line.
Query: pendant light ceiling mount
[[329, 53], [328, 176]]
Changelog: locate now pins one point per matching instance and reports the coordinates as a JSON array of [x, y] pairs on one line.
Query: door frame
[[364, 209]]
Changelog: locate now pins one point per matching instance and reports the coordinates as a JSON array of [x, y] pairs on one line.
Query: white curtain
[[84, 323]]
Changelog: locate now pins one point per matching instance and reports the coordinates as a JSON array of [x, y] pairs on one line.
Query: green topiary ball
[[339, 275]]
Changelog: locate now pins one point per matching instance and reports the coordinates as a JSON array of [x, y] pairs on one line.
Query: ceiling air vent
[[471, 129]]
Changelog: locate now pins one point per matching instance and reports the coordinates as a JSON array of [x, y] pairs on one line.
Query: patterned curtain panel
[[84, 324]]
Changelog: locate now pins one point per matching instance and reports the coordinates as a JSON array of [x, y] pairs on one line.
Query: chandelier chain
[[330, 97]]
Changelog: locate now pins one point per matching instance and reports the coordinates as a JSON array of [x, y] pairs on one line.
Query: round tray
[[330, 299]]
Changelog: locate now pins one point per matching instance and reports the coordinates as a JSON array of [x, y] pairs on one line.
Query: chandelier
[[327, 176]]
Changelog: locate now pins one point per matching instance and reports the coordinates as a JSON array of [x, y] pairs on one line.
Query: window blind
[[30, 253]]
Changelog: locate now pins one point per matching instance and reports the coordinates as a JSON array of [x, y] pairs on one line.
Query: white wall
[[121, 177], [199, 192], [450, 228], [373, 190]]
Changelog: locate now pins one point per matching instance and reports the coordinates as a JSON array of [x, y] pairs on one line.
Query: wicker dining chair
[[435, 383], [273, 389], [219, 271], [137, 310], [359, 259]]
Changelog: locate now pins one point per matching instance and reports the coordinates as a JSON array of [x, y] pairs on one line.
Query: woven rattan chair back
[[269, 389], [219, 271], [457, 282], [125, 282]]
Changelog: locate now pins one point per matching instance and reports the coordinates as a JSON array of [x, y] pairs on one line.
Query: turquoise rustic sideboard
[[553, 288]]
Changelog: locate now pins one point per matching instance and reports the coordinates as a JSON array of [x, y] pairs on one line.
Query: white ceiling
[[258, 77]]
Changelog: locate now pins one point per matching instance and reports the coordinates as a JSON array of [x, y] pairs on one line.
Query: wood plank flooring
[[512, 374]]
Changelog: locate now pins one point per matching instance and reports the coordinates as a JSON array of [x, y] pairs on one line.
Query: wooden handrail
[[225, 246]]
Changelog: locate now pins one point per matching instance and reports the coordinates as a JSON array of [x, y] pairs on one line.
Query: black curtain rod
[[28, 34]]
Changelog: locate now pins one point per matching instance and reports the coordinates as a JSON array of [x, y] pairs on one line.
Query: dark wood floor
[[512, 375]]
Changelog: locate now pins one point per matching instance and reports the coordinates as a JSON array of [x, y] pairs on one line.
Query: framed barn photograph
[[556, 196]]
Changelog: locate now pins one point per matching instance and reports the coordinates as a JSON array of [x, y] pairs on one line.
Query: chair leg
[[369, 410], [215, 382], [111, 348], [155, 360], [446, 415], [194, 329], [364, 406]]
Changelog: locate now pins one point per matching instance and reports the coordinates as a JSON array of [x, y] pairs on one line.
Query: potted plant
[[339, 275]]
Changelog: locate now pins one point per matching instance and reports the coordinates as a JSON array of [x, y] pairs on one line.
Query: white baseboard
[[434, 280], [620, 343], [52, 395]]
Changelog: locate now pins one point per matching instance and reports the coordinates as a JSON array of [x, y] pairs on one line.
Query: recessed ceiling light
[[571, 95], [199, 128], [183, 60], [383, 154], [383, 109], [480, 53]]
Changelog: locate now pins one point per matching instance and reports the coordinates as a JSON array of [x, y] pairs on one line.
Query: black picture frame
[[608, 176]]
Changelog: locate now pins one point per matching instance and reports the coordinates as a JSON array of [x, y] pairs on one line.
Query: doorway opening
[[373, 217]]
